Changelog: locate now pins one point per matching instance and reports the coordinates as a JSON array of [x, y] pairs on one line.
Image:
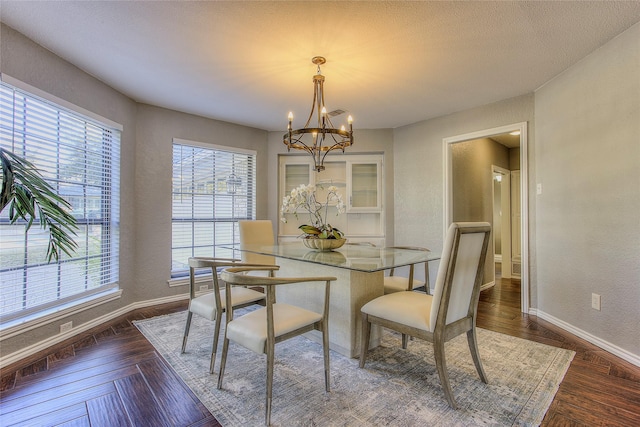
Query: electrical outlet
[[595, 301], [66, 327], [204, 287]]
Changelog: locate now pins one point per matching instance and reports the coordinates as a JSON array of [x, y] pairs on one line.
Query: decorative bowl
[[323, 245]]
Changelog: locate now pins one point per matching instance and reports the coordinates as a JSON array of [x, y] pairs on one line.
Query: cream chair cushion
[[399, 284], [407, 307], [250, 330], [205, 305]]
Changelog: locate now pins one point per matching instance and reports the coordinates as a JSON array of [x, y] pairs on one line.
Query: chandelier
[[324, 137]]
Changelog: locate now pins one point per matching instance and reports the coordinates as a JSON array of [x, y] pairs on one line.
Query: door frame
[[524, 192], [505, 224]]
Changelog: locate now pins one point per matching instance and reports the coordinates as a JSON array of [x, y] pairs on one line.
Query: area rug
[[396, 388]]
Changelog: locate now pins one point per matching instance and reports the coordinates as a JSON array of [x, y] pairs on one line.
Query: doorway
[[501, 224], [519, 223]]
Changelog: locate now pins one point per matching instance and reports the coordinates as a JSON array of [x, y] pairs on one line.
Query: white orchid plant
[[304, 197]]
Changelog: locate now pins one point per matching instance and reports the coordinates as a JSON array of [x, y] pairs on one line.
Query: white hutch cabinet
[[359, 180]]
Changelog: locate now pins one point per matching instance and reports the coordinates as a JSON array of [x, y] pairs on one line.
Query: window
[[79, 156], [213, 188]]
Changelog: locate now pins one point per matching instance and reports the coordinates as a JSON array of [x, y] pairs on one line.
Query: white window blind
[[213, 188], [80, 158]]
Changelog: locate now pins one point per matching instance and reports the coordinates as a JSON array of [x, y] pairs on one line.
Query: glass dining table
[[360, 274]]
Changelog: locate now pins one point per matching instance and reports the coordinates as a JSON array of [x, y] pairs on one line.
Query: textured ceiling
[[389, 63]]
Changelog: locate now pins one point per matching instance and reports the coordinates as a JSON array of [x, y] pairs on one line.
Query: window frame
[[180, 276], [22, 320]]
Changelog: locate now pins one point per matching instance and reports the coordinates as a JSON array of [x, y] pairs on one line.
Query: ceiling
[[389, 63]]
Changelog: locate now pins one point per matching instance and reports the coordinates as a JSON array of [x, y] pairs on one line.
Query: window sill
[[182, 281], [27, 323]]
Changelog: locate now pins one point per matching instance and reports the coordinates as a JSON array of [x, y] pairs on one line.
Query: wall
[[588, 162], [418, 164], [146, 170], [36, 66], [366, 141], [156, 128], [473, 185]]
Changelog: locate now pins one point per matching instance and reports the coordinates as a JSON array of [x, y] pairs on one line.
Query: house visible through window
[[213, 188], [79, 156]]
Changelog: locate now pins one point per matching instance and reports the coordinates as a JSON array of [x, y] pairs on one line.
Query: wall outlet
[[595, 301], [66, 327], [204, 287]]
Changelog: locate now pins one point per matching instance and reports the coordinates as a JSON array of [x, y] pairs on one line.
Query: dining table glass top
[[351, 257]]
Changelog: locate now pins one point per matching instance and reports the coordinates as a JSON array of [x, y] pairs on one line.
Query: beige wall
[[418, 165], [26, 61], [588, 161], [472, 185], [145, 172], [156, 128]]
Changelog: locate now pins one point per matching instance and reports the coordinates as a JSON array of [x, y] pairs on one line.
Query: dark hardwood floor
[[112, 376]]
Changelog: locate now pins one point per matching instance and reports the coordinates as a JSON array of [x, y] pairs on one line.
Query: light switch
[[539, 189]]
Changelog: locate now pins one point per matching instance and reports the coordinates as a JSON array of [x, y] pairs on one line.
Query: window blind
[[80, 158], [213, 189]]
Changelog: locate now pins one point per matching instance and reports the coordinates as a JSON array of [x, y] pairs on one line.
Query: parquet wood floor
[[112, 376]]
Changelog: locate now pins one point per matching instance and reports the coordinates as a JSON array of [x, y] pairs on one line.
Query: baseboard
[[605, 345], [48, 342], [487, 286]]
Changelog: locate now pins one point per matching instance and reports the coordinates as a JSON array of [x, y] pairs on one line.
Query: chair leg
[[441, 365], [365, 335], [472, 339], [223, 361], [325, 349], [186, 331], [405, 338], [216, 335], [270, 357]]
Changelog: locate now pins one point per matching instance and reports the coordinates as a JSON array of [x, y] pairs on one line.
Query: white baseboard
[[487, 286], [48, 342], [605, 345]]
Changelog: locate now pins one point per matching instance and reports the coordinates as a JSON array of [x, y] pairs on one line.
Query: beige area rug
[[396, 388]]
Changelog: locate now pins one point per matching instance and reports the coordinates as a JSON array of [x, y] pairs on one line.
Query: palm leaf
[[30, 197]]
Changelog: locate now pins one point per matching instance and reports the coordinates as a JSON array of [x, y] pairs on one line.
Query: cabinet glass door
[[365, 186], [295, 175]]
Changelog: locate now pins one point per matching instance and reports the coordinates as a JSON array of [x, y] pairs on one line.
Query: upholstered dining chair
[[211, 305], [449, 312], [394, 283], [256, 232], [261, 329]]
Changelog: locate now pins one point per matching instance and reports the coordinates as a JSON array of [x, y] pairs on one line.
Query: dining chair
[[261, 329], [394, 283], [256, 232], [211, 305], [449, 312]]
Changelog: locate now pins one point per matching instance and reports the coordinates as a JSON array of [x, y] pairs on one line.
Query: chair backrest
[[460, 273], [215, 264], [256, 232]]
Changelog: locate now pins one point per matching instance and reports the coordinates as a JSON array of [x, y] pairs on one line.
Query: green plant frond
[[23, 206], [26, 192], [7, 181]]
